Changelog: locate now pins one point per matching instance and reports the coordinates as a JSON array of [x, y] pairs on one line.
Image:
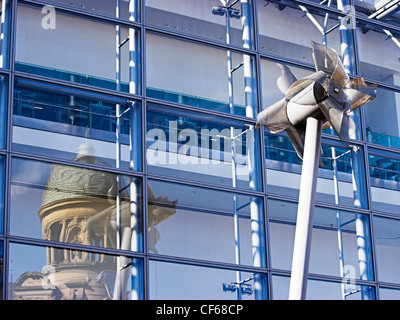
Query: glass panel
[[340, 241], [3, 109], [47, 273], [197, 75], [107, 7], [385, 11], [2, 186], [186, 282], [69, 54], [384, 171], [335, 182], [1, 269], [286, 31], [387, 248], [389, 294], [382, 118], [206, 224], [191, 146], [75, 205], [381, 65], [323, 290], [206, 18], [5, 25], [66, 123]]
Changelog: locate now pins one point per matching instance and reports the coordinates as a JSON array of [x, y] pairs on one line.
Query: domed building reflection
[[82, 206]]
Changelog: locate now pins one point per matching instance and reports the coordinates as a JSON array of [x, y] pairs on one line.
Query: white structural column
[[305, 211]]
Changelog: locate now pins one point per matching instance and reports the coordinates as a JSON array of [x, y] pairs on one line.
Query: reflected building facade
[[131, 168]]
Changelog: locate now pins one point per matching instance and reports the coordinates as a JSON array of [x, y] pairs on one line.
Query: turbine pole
[[305, 210]]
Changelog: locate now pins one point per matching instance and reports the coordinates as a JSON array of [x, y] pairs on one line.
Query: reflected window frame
[[78, 120], [357, 262], [233, 212], [188, 124], [132, 73]]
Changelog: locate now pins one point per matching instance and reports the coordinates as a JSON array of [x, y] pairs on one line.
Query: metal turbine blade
[[286, 79], [274, 117], [327, 60]]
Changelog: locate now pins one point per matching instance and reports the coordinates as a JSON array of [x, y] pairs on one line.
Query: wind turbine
[[322, 99]]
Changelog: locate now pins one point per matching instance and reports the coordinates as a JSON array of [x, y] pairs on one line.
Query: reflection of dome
[[67, 182]]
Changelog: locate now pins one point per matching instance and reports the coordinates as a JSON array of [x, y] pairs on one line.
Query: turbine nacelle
[[327, 95]]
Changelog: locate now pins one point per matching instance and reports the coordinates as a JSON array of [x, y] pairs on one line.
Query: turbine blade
[[286, 79], [343, 125], [296, 137], [327, 60], [358, 93], [274, 117]]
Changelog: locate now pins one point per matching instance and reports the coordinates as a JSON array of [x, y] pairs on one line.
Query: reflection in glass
[[335, 176], [48, 273], [384, 11], [322, 290], [108, 7], [196, 75], [2, 186], [5, 25], [389, 294], [188, 282], [76, 205], [3, 109], [382, 118], [384, 171], [341, 241], [380, 65], [76, 49], [206, 18], [59, 122], [387, 248], [285, 29], [209, 225], [191, 146]]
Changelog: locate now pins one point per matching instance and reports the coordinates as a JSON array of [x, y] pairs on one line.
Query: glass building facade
[[131, 168]]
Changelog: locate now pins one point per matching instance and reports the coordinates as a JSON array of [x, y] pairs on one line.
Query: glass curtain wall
[[131, 168]]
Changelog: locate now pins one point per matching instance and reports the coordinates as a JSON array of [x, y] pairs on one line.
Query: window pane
[[197, 75], [381, 65], [5, 15], [385, 11], [389, 294], [69, 54], [196, 147], [2, 186], [384, 170], [202, 224], [75, 205], [382, 118], [66, 123], [340, 241], [47, 273], [198, 18], [387, 248], [107, 7], [285, 31], [335, 183], [3, 109], [186, 282], [323, 290]]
